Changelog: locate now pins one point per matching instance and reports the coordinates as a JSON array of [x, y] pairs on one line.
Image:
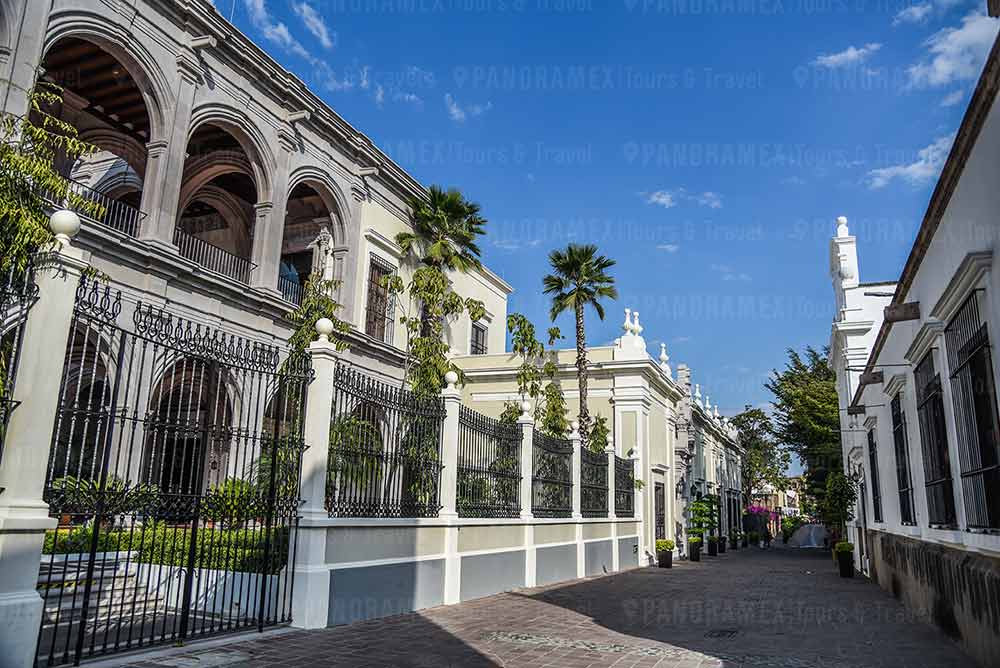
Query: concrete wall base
[[956, 590]]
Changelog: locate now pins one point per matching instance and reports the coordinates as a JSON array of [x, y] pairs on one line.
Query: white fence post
[[311, 578], [577, 498], [612, 515], [527, 424], [24, 516], [448, 486]]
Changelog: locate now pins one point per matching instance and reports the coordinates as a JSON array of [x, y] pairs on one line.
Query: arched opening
[[218, 195], [189, 437], [311, 242], [103, 100]]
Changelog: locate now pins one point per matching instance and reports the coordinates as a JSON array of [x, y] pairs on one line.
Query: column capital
[[156, 148], [189, 66], [263, 207]]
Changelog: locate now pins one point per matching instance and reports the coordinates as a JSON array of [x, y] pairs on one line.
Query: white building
[[917, 384]]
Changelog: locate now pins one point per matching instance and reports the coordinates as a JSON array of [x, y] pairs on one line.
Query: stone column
[[577, 498], [24, 516], [269, 224], [311, 605], [527, 424], [19, 66], [161, 189]]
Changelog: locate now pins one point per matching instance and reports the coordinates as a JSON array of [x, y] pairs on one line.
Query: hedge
[[240, 550]]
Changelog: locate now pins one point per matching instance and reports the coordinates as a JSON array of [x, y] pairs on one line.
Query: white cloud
[[459, 114], [276, 31], [314, 23], [670, 248], [955, 54], [662, 198], [953, 98], [912, 14], [850, 56], [670, 198], [379, 95], [408, 98], [925, 168], [682, 339], [709, 199]]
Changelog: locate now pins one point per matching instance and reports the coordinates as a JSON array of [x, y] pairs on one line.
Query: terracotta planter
[[694, 551], [845, 560], [665, 559]]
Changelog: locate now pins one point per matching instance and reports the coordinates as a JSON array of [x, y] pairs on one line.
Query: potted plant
[[755, 538], [845, 558], [745, 539], [722, 544], [734, 540], [713, 546], [694, 548], [665, 553]]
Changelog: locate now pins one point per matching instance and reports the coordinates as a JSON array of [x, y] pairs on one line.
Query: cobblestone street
[[752, 608]]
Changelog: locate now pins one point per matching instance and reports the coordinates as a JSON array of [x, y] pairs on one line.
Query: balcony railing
[[118, 215], [212, 257], [291, 290]]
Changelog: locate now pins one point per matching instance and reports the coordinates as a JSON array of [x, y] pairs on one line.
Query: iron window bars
[[624, 487], [904, 481], [974, 395], [380, 306], [478, 346], [873, 472], [934, 444]]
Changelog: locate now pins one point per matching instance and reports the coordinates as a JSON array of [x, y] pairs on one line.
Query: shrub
[[664, 545], [713, 539], [694, 540], [754, 537], [844, 546]]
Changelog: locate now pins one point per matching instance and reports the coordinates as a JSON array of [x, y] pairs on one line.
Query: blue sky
[[707, 145]]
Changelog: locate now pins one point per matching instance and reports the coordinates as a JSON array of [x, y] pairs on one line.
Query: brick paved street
[[752, 608]]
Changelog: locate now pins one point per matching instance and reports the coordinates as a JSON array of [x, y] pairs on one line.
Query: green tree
[[807, 417], [30, 184], [580, 278], [837, 506], [764, 460], [550, 407], [445, 228]]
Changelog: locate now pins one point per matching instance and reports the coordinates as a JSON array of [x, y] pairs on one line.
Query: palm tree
[[445, 228], [580, 279]]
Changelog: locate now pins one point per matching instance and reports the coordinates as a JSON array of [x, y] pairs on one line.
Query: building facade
[[917, 385]]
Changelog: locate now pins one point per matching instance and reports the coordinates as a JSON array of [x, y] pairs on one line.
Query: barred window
[[478, 344], [873, 473], [903, 480], [380, 306], [934, 444], [974, 395]]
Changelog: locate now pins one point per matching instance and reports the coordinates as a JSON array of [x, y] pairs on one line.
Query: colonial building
[[917, 385]]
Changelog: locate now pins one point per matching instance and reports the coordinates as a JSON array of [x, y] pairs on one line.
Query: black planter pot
[[846, 562], [722, 546], [665, 559], [694, 552], [733, 544], [713, 549], [746, 542]]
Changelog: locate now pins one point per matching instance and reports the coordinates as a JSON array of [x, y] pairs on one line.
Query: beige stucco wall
[[555, 533], [489, 537], [350, 544]]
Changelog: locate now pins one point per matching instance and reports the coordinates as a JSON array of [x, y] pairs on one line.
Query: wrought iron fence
[[385, 449], [212, 257], [17, 293], [552, 479], [291, 290], [624, 487], [174, 475], [593, 483], [489, 466]]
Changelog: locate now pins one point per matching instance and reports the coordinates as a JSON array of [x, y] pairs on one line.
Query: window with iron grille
[[873, 472], [974, 395], [477, 346], [934, 444], [380, 306], [903, 480]]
